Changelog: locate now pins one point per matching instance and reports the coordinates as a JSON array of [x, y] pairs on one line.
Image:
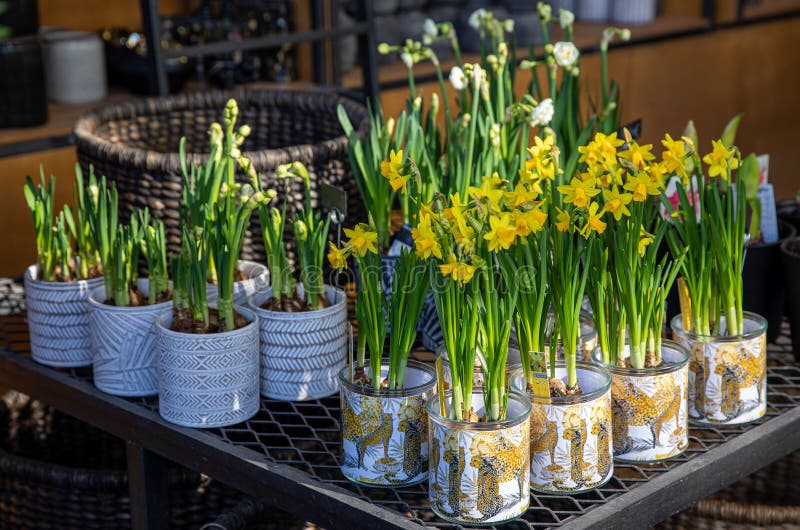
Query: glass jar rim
[[441, 351], [666, 368], [519, 397], [676, 325], [601, 370], [344, 379]]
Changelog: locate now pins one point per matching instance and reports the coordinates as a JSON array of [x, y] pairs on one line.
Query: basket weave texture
[[135, 145]]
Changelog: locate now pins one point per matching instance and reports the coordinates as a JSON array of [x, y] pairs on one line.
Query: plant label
[[769, 215], [541, 384]]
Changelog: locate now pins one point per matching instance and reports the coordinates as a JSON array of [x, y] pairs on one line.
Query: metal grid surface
[[306, 436]]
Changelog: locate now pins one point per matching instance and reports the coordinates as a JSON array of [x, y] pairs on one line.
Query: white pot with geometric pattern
[[727, 374], [208, 380], [123, 344], [480, 471], [302, 353], [571, 437], [257, 279], [58, 319], [385, 432]]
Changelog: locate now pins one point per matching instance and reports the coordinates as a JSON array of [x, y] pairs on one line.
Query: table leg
[[147, 483]]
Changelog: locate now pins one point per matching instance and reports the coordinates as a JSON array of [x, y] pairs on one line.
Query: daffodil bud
[[545, 11], [417, 104], [435, 103], [270, 194], [283, 171], [275, 217], [548, 48], [300, 231], [525, 64], [429, 28], [245, 130], [390, 126], [231, 112], [407, 59], [384, 48], [565, 18], [247, 191], [235, 153], [625, 34]]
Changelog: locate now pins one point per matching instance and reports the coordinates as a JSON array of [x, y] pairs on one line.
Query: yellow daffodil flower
[[641, 185], [638, 155], [657, 174], [519, 196], [425, 241], [616, 203], [392, 170], [594, 223], [644, 240], [337, 257], [673, 156], [459, 271], [563, 220], [456, 208], [491, 189], [542, 148], [579, 192], [528, 221], [464, 236], [720, 160], [362, 239], [503, 232]]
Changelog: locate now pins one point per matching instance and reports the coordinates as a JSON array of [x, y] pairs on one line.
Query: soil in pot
[[292, 304], [139, 299], [184, 323]]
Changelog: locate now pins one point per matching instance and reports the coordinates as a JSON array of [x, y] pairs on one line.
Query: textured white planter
[[207, 380], [123, 344], [384, 433], [727, 375], [479, 472], [571, 438], [633, 12], [58, 319], [593, 10], [650, 407], [302, 353], [257, 280]]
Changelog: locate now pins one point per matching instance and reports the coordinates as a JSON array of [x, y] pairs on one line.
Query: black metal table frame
[[150, 440]]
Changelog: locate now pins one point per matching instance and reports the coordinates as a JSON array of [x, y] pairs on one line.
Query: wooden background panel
[[19, 245]]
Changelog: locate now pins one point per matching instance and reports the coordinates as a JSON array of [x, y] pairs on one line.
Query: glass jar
[[384, 432], [571, 437], [650, 407], [727, 374], [479, 471]]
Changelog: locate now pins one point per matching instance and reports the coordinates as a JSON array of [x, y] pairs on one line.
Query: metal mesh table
[[285, 438]]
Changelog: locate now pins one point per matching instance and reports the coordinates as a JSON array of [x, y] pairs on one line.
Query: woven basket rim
[[87, 124]]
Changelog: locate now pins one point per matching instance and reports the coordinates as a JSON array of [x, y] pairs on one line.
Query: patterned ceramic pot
[[58, 319], [593, 10], [384, 433], [650, 407], [302, 353], [727, 375], [257, 280], [480, 472], [123, 345], [207, 380], [571, 440]]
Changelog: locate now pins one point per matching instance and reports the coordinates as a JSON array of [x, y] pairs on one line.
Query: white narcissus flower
[[458, 79], [429, 28], [542, 113], [477, 75], [566, 18], [407, 59], [476, 17], [565, 53], [508, 25]]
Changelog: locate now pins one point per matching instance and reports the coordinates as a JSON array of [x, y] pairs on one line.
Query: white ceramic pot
[[650, 407], [384, 433], [58, 319], [479, 472], [633, 12], [571, 437], [123, 344], [207, 380], [302, 353], [727, 375], [257, 280]]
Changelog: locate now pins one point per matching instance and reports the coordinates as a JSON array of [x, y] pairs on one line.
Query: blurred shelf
[[769, 8]]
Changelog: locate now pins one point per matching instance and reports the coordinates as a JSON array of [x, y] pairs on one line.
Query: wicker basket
[[58, 472], [767, 499], [136, 146]]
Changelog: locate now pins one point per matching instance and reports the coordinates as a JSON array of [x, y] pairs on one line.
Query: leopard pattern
[[489, 501], [600, 429], [641, 409], [412, 446], [381, 435], [456, 462], [576, 435]]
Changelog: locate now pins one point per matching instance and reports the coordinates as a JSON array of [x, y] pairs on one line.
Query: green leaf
[[728, 136]]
